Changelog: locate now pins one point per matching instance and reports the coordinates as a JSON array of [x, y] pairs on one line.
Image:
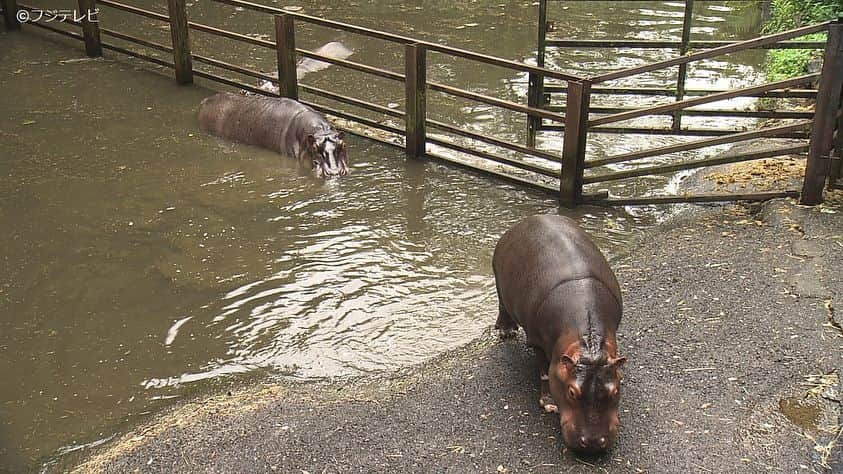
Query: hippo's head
[[327, 154], [587, 391]]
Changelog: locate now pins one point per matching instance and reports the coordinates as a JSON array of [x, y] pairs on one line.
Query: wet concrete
[[715, 329]]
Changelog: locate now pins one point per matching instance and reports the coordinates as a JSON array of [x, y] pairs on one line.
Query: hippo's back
[[541, 252]]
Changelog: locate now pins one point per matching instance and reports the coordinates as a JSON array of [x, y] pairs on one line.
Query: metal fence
[[523, 163]]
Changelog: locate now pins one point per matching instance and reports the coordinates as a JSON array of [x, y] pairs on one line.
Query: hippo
[[279, 124], [334, 49], [553, 281]]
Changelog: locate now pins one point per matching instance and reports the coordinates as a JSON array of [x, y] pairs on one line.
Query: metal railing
[[522, 163]]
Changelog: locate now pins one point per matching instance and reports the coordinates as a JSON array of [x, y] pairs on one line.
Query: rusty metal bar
[[777, 114], [574, 145], [710, 53], [149, 44], [655, 91], [671, 168], [702, 100], [697, 144], [496, 102], [10, 12], [137, 55], [495, 141], [353, 65], [683, 68], [285, 40], [352, 101], [535, 94], [822, 131], [415, 64], [135, 10], [231, 35], [652, 200], [535, 185], [650, 44], [354, 118], [234, 68], [90, 29], [496, 158], [229, 82], [684, 132]]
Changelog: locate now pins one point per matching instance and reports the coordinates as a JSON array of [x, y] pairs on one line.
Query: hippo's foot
[[507, 333], [549, 405]]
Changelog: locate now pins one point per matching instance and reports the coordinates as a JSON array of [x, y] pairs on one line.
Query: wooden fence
[[523, 164]]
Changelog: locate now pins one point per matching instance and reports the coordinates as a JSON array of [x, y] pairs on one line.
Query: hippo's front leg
[[545, 399]]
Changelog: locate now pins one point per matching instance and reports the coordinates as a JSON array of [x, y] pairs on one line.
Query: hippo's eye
[[572, 393]]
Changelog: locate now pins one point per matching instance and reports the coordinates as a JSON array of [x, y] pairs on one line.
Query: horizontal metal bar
[[352, 101], [492, 157], [484, 58], [497, 142], [531, 111], [234, 68], [352, 65], [535, 185], [694, 145], [778, 114], [710, 53], [682, 104], [699, 198], [230, 82], [655, 91], [656, 44], [672, 168], [354, 118], [140, 41], [231, 35], [688, 132], [45, 26], [135, 10]]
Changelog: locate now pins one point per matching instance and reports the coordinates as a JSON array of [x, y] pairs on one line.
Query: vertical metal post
[[573, 149], [10, 12], [535, 82], [683, 68], [181, 42], [825, 116], [90, 29], [415, 69], [285, 43]]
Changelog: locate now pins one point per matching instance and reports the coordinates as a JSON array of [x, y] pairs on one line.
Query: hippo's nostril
[[601, 442], [583, 442]]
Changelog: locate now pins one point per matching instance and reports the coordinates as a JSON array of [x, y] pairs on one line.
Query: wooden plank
[[10, 14], [825, 117], [573, 148], [285, 43], [181, 42], [415, 65], [683, 68], [535, 91]]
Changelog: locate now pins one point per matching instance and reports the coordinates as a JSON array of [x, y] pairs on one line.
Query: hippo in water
[[554, 282], [279, 124]]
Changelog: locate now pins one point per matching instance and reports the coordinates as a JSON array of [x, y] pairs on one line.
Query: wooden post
[[10, 12], [825, 116], [836, 168], [535, 82], [285, 45], [573, 149], [181, 42], [683, 68], [415, 69], [90, 29]]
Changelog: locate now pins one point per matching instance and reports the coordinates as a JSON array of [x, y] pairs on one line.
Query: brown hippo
[[554, 282], [280, 124]]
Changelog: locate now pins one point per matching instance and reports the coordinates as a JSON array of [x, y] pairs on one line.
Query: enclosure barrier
[[821, 123], [577, 122]]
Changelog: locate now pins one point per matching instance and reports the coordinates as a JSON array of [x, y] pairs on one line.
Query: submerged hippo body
[[284, 125], [554, 282]]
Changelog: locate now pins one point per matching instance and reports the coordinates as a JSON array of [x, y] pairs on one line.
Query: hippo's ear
[[567, 364], [617, 362]]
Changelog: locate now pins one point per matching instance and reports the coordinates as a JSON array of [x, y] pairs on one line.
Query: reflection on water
[[142, 256]]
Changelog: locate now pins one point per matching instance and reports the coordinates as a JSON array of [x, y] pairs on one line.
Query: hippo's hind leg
[[545, 399], [506, 326]]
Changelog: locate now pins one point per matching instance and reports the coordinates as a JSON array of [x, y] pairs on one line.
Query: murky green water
[[142, 261]]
